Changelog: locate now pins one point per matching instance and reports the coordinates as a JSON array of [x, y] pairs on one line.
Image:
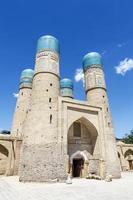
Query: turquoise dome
[[92, 58], [66, 83], [27, 73], [48, 42], [66, 88], [26, 76]]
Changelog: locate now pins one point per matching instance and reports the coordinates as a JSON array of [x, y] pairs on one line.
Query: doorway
[[130, 164], [78, 165]]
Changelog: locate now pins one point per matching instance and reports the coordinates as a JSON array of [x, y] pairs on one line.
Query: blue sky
[[82, 26]]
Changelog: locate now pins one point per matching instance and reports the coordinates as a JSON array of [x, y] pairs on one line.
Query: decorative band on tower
[[66, 88], [26, 78]]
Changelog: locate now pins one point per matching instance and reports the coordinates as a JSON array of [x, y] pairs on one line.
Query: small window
[[109, 124], [50, 84], [22, 93], [50, 107], [77, 129], [49, 100], [50, 119], [47, 90]]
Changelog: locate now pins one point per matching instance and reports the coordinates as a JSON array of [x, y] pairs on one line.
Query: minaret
[[96, 93], [42, 157], [23, 102], [95, 86], [66, 88]]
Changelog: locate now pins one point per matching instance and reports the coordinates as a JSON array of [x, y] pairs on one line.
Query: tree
[[128, 138]]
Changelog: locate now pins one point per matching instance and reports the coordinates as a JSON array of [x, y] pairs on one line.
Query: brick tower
[[23, 102], [42, 158], [96, 93]]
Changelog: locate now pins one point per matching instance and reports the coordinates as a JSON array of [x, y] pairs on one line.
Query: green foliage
[[128, 138]]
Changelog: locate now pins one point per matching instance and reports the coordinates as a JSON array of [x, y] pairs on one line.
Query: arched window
[[77, 129]]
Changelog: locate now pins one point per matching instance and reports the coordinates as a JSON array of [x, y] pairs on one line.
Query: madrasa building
[[53, 133]]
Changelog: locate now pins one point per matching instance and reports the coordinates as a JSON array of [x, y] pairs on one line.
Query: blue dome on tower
[[66, 83], [66, 88], [26, 76], [28, 73], [92, 58], [48, 42]]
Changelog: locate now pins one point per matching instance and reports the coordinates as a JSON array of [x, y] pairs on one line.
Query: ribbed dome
[[66, 83], [48, 42], [92, 58], [26, 76]]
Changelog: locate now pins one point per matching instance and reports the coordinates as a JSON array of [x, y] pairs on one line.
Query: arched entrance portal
[[83, 149], [78, 160]]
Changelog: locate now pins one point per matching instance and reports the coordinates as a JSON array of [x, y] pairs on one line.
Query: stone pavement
[[81, 189]]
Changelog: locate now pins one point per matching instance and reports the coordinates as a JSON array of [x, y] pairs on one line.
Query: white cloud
[[79, 75], [121, 44], [15, 95], [124, 66]]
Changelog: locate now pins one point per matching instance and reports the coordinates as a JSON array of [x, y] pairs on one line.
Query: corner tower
[[23, 102], [42, 144], [66, 88], [97, 95]]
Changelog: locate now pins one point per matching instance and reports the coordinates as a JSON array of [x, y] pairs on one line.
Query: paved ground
[[81, 189]]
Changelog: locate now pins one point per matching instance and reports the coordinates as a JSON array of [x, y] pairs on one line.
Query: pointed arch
[[86, 141], [82, 148], [87, 123], [78, 154]]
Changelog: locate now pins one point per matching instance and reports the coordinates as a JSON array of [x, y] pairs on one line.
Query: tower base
[[42, 163]]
